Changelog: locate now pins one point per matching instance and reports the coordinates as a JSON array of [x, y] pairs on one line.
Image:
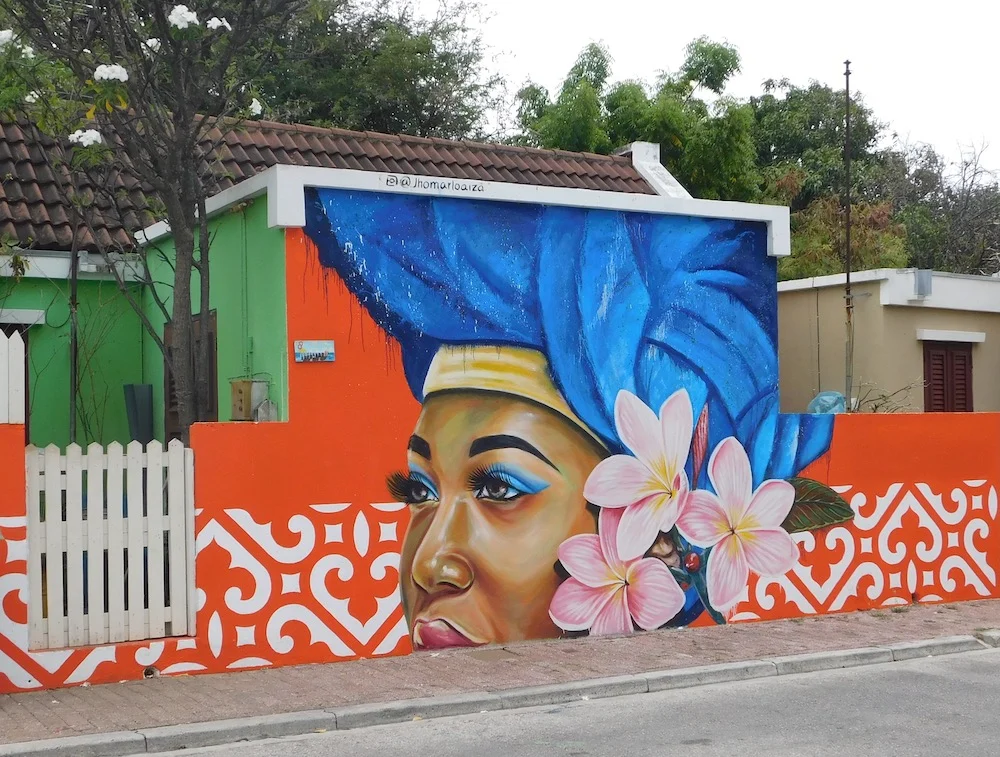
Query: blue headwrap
[[645, 302]]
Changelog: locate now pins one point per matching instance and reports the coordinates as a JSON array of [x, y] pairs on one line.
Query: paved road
[[935, 706]]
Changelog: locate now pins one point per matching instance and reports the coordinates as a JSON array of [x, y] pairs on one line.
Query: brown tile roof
[[33, 213]]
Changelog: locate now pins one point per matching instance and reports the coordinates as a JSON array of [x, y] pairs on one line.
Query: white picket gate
[[110, 544], [11, 378]]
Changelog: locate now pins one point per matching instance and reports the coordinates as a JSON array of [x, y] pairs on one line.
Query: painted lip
[[438, 633]]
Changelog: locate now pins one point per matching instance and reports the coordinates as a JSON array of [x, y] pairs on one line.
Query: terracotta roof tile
[[33, 210]]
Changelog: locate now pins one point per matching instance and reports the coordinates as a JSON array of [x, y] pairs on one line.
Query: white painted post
[[96, 530], [154, 518], [75, 539], [180, 571], [37, 628], [117, 630], [15, 379], [54, 548], [4, 372], [192, 604], [136, 571]]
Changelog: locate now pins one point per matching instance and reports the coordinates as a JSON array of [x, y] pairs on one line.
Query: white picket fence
[[11, 378], [110, 544]]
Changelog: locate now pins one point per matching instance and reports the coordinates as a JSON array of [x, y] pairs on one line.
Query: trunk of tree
[[182, 349]]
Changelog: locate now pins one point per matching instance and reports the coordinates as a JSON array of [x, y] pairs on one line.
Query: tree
[[803, 128], [380, 67], [708, 146], [877, 240], [118, 89]]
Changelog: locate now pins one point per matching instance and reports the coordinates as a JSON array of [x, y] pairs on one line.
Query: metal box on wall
[[247, 396]]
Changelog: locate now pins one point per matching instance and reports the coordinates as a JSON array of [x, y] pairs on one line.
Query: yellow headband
[[517, 371]]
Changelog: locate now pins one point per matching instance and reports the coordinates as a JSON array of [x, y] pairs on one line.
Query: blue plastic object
[[827, 402]]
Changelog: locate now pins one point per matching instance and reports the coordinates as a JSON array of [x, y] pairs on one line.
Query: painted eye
[[411, 489], [496, 489]]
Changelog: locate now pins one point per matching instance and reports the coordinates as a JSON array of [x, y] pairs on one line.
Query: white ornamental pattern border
[[951, 522]]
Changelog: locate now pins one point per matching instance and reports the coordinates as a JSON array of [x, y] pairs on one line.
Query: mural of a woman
[[561, 356]]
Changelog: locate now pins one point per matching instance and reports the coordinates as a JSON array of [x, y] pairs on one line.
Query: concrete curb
[[990, 637], [215, 733]]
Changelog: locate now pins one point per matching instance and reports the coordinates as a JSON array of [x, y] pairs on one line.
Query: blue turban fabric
[[616, 300]]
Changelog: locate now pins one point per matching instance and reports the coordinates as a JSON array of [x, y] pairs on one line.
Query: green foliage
[[877, 240], [710, 64], [805, 128], [708, 147], [380, 67]]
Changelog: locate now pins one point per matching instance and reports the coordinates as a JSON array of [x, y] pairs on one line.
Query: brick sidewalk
[[187, 699]]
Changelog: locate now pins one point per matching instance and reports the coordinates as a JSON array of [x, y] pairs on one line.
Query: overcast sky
[[931, 70]]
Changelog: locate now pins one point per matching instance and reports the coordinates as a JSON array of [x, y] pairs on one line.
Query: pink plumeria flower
[[743, 526], [652, 485], [605, 593]]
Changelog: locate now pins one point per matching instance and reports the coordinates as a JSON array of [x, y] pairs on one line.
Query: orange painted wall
[[298, 547], [924, 490]]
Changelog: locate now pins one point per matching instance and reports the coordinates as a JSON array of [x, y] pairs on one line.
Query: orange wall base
[[298, 549]]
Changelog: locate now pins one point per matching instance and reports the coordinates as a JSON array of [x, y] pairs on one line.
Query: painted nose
[[440, 565]]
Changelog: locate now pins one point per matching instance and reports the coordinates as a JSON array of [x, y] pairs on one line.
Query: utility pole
[[848, 297]]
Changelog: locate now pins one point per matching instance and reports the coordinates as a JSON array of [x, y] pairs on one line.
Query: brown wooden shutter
[[935, 378], [947, 377], [961, 377]]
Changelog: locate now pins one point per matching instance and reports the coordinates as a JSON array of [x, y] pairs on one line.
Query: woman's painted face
[[495, 485]]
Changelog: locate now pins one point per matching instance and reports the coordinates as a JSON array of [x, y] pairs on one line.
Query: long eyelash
[[484, 475], [400, 486]]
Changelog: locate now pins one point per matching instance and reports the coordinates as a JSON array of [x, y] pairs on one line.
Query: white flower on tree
[[6, 37], [112, 72], [182, 17], [152, 45], [255, 107], [85, 137], [218, 23], [27, 51], [31, 98]]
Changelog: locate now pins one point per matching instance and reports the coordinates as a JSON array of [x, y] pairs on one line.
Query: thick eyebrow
[[420, 446], [504, 441]]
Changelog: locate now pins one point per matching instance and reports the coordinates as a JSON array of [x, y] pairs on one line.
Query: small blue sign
[[314, 351]]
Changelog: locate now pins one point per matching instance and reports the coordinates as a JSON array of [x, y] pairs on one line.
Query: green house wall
[[247, 291], [110, 352]]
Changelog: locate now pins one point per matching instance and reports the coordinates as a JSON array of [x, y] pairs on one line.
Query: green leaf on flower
[[816, 506]]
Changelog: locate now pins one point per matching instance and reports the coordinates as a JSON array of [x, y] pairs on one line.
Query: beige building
[[922, 340]]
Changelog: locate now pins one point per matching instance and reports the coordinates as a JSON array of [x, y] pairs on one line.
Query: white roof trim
[[646, 160], [54, 265], [834, 280], [935, 335], [285, 187], [22, 317]]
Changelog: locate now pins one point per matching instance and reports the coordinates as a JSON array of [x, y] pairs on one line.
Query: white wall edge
[[935, 335], [22, 317], [55, 265], [833, 280], [285, 188]]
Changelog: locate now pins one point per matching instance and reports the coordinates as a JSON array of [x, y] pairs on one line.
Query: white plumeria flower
[[31, 98], [85, 137], [152, 45], [27, 51], [217, 23], [112, 72], [652, 486], [6, 37], [255, 107], [182, 17]]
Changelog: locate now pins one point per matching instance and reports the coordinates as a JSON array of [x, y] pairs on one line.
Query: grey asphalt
[[932, 706]]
